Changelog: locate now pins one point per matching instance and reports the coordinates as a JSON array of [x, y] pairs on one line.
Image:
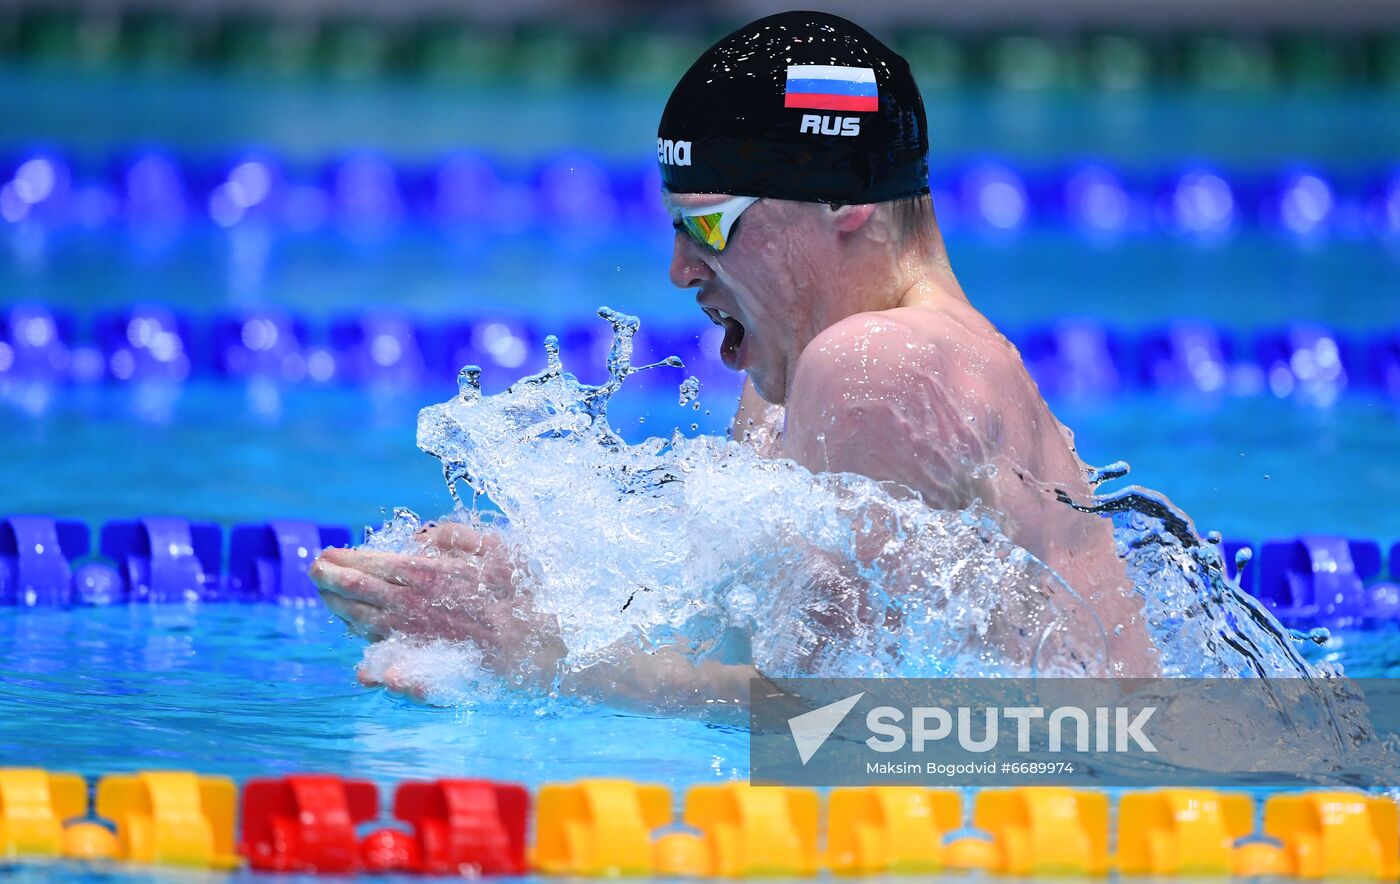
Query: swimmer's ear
[[849, 219]]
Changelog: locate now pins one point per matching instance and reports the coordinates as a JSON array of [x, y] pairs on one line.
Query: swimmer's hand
[[465, 593], [469, 592]]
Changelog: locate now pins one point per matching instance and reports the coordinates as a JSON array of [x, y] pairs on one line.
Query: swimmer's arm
[[664, 680]]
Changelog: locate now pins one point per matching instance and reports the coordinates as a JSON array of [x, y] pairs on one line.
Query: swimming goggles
[[710, 225]]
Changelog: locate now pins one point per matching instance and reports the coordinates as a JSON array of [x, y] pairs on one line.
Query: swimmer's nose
[[688, 268]]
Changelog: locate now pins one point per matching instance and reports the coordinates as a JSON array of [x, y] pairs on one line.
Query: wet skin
[[862, 355]]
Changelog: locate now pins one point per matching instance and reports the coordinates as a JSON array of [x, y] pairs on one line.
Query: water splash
[[690, 391], [701, 544], [1116, 470], [395, 535], [447, 673]]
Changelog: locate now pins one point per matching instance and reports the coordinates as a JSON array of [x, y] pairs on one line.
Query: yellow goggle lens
[[706, 229]]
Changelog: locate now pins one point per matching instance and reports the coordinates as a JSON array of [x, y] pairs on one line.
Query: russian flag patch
[[831, 87]]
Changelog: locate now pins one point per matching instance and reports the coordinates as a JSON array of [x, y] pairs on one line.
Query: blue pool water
[[1254, 280], [1253, 467], [245, 690], [250, 690]]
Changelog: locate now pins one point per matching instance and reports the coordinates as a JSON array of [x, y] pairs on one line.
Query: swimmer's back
[[937, 400]]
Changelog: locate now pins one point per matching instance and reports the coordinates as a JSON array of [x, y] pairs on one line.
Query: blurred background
[[242, 243]]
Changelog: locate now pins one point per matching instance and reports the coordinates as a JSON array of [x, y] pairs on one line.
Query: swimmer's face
[[764, 288]]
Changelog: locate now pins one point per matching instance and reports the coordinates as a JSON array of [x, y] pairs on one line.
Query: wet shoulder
[[865, 350], [893, 345]]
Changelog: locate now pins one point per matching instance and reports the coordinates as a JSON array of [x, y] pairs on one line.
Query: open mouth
[[733, 335]]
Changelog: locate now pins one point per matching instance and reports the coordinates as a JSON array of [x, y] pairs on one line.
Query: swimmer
[[794, 163]]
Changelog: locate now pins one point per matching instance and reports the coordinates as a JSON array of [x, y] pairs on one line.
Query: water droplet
[[469, 383], [1116, 470], [1317, 636], [553, 364], [689, 390], [1243, 556]]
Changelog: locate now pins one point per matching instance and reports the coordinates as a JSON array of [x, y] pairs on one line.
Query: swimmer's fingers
[[412, 572], [376, 623], [461, 538], [385, 566], [334, 578], [395, 679], [427, 579], [364, 620], [364, 674]]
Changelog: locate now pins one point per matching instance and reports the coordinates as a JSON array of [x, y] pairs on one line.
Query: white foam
[[440, 672]]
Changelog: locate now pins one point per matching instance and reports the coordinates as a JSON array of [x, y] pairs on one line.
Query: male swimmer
[[794, 162]]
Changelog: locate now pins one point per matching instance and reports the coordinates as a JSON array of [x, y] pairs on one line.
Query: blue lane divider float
[[365, 191], [35, 552], [268, 562], [148, 343], [378, 348], [165, 559], [1383, 363], [1186, 355], [267, 343], [47, 562], [1068, 357], [1307, 581], [1075, 357], [1326, 581]]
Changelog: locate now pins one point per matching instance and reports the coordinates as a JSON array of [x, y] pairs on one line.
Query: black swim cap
[[800, 106]]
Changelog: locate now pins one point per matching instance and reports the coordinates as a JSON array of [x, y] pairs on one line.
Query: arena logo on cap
[[673, 153]]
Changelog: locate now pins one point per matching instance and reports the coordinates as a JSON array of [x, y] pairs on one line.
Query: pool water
[[556, 278], [1255, 468], [256, 690], [252, 690], [249, 690], [259, 690]]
